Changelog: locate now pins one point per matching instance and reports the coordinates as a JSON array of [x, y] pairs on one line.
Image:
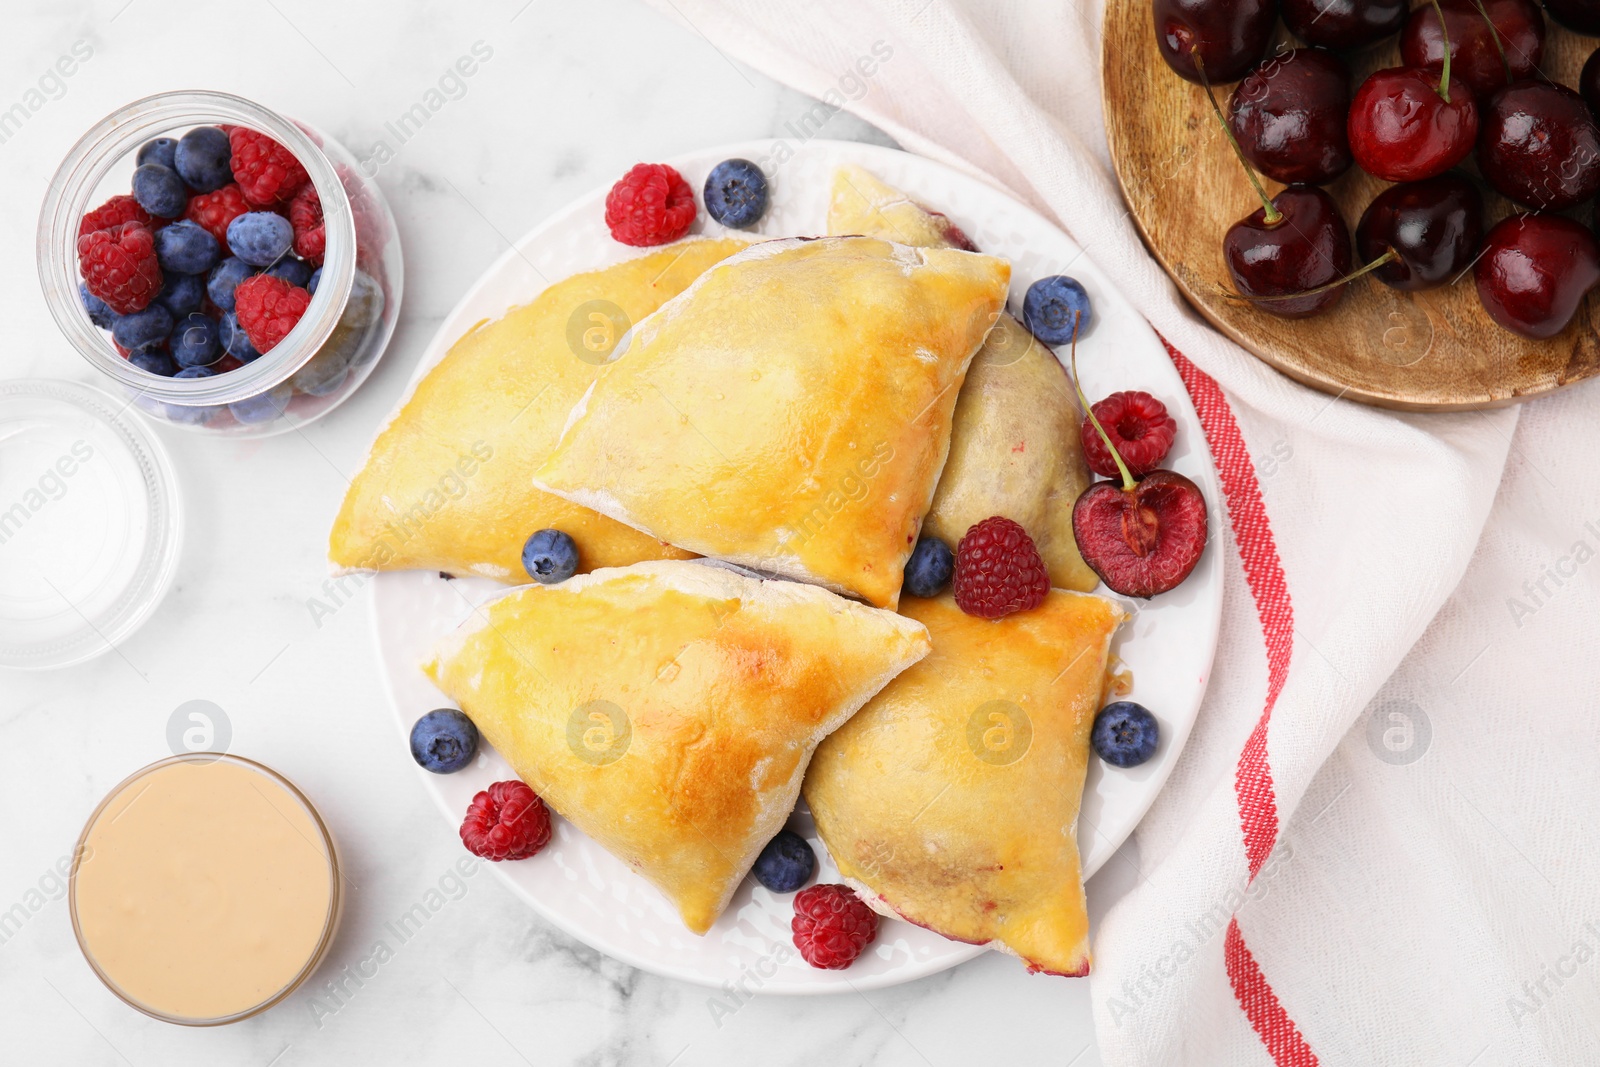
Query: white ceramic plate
[[1168, 644]]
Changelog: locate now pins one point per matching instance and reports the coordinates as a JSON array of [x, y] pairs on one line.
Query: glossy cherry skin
[[1473, 55], [1589, 84], [1435, 228], [1580, 15], [1534, 272], [1343, 23], [1540, 145], [1230, 35], [1290, 113], [1307, 248], [1402, 130]]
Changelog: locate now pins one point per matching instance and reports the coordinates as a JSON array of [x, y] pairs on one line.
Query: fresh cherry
[[1230, 36], [1307, 248], [1477, 58], [1289, 115], [1534, 272], [1589, 84], [1540, 145], [1580, 15], [1343, 23], [1402, 129], [1433, 227]]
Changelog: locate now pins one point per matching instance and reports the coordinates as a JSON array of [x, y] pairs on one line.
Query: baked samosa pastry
[[446, 484], [790, 412], [952, 798], [669, 709], [1014, 448]]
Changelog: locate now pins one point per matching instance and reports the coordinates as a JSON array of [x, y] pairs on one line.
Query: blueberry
[[294, 271], [224, 279], [186, 248], [182, 293], [154, 361], [100, 312], [202, 159], [550, 556], [195, 341], [786, 863], [195, 372], [160, 191], [260, 237], [162, 150], [142, 329], [1125, 734], [183, 413], [929, 567], [1049, 307], [235, 342], [263, 407], [311, 286], [736, 193], [444, 741]]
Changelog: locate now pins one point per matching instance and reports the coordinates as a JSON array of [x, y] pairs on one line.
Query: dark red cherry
[[1307, 248], [1290, 114], [1589, 84], [1473, 55], [1402, 130], [1580, 15], [1343, 23], [1534, 272], [1231, 36], [1540, 145], [1434, 228], [1145, 538]]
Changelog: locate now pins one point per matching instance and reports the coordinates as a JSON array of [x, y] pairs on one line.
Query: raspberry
[[507, 821], [1138, 424], [214, 211], [651, 205], [998, 570], [831, 926], [267, 172], [119, 266], [114, 212], [268, 307], [305, 215]]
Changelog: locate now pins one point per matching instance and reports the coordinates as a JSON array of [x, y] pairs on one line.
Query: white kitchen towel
[[1380, 844]]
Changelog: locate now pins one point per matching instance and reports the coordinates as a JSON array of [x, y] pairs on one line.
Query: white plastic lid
[[90, 523]]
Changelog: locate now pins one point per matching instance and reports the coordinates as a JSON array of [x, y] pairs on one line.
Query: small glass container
[[205, 889], [333, 347]]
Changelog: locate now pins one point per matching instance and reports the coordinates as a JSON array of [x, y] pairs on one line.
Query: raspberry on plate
[[114, 212], [651, 205], [214, 211], [998, 570], [305, 215], [507, 821], [267, 172], [268, 309], [119, 266], [1139, 426], [831, 926]]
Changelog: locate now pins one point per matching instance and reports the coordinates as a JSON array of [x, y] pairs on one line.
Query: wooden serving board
[[1430, 351]]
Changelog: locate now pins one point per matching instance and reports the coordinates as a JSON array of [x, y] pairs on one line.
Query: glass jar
[[333, 347]]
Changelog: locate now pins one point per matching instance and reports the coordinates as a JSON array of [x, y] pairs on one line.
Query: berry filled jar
[[233, 270]]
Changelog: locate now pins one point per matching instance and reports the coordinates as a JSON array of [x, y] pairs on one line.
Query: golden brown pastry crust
[[952, 798], [669, 709]]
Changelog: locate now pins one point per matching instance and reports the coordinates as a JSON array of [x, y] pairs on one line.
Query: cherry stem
[[1444, 35], [1494, 31], [1129, 483], [1273, 215], [1388, 257]]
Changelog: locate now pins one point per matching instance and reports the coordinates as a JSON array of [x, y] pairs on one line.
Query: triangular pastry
[[790, 412], [446, 484], [1014, 448], [952, 798], [669, 709]]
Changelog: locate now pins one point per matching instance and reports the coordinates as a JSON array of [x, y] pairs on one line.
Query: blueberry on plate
[[100, 312], [160, 191], [550, 556], [928, 569], [235, 342], [444, 741], [186, 248], [195, 341], [162, 150], [1049, 308], [142, 329], [786, 863], [294, 271], [736, 193], [260, 238], [1125, 734], [203, 159], [182, 293], [224, 279], [153, 361]]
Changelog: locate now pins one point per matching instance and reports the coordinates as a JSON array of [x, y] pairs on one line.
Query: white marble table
[[572, 95]]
